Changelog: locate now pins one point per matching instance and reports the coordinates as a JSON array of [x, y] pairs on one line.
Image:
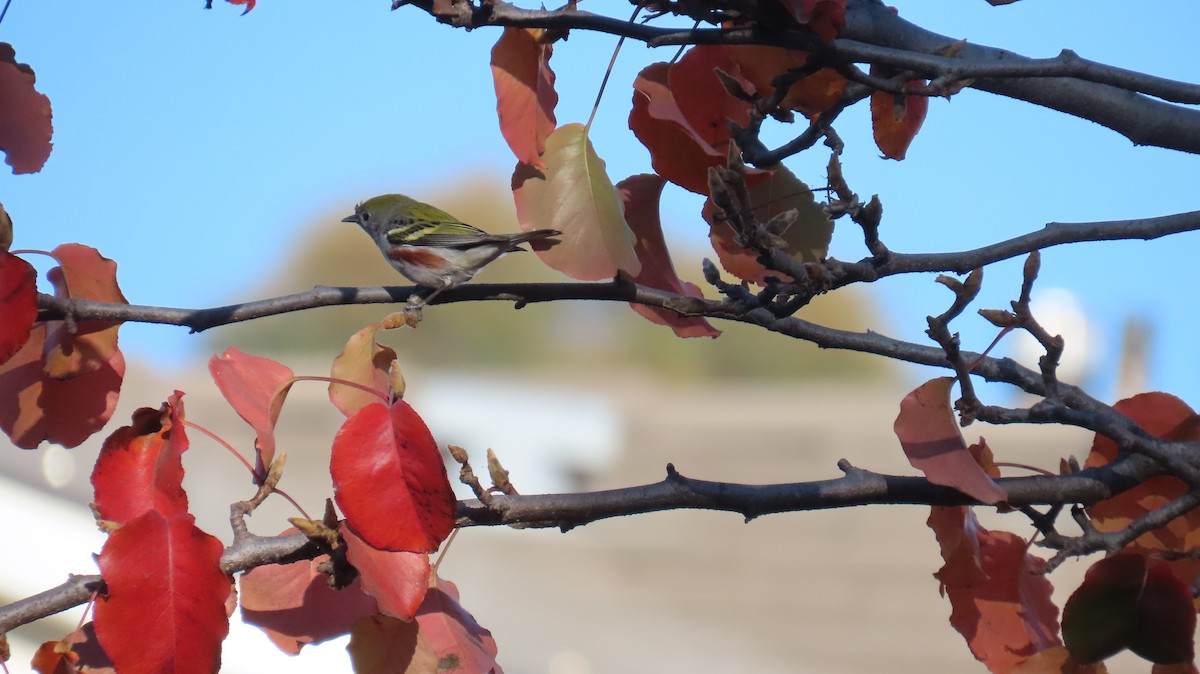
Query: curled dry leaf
[[365, 362]]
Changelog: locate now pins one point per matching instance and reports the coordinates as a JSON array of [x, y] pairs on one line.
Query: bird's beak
[[351, 218]]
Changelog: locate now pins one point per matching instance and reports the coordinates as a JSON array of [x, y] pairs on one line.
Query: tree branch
[[1107, 95], [856, 487]]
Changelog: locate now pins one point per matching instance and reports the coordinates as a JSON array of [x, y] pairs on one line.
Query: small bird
[[433, 248]]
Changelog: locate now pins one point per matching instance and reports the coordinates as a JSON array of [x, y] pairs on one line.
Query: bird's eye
[[364, 216]]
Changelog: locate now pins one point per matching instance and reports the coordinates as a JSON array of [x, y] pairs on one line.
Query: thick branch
[[1110, 99], [857, 487], [1104, 94]]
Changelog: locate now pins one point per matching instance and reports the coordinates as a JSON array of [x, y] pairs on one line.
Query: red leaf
[[35, 407], [640, 194], [165, 608], [806, 240], [525, 95], [6, 230], [140, 468], [294, 604], [810, 96], [677, 152], [82, 274], [452, 634], [390, 481], [364, 362], [1123, 604], [1001, 603], [25, 127], [896, 119], [397, 580], [826, 18], [706, 105], [929, 433], [248, 3], [250, 384], [18, 303]]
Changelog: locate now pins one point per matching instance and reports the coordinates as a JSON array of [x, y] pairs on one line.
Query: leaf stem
[[607, 73]]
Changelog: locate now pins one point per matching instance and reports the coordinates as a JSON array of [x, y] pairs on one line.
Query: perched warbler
[[433, 248]]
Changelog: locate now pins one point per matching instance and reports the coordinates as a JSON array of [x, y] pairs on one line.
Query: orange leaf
[[35, 407], [82, 274], [54, 657], [575, 196], [929, 433], [640, 194], [896, 119], [294, 604], [810, 96], [250, 384], [806, 240], [248, 3], [140, 466], [525, 95], [397, 580], [165, 607], [18, 303], [1163, 416], [390, 481], [25, 127], [1000, 602], [362, 361]]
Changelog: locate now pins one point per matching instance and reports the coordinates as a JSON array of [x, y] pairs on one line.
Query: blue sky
[[192, 146]]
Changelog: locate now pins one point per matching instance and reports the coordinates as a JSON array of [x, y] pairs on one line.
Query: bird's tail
[[538, 239]]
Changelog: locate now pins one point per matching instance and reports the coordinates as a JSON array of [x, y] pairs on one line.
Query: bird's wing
[[426, 232]]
